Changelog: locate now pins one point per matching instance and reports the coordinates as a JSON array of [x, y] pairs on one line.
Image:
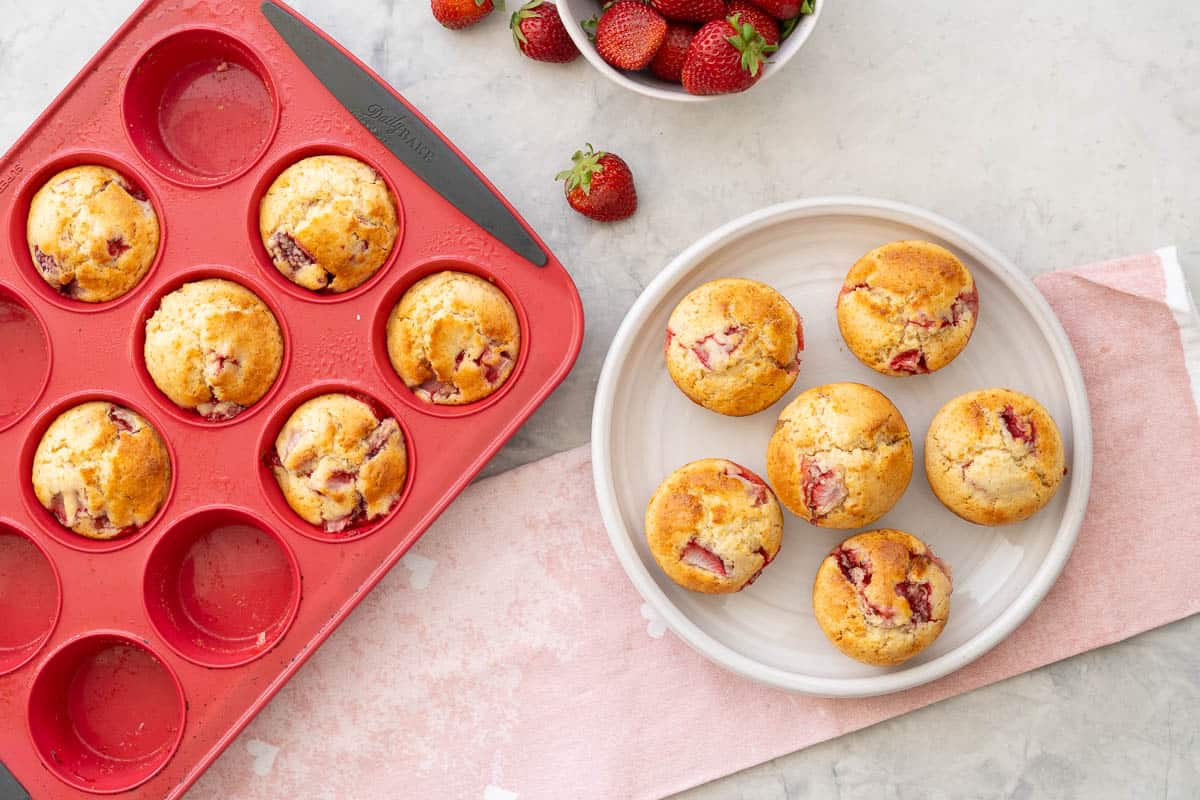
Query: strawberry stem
[[585, 165], [749, 42]]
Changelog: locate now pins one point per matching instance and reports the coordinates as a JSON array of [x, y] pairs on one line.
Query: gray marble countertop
[[1062, 132]]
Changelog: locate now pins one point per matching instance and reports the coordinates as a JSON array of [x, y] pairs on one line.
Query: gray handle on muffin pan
[[10, 789], [402, 132]]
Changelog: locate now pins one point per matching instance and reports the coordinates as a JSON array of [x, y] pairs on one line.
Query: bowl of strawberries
[[689, 50]]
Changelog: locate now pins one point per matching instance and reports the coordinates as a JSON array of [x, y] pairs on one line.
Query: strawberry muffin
[[101, 470], [453, 338], [882, 597], [328, 223], [907, 308], [338, 463], [713, 526], [733, 346], [840, 456], [213, 347], [994, 456], [92, 234]]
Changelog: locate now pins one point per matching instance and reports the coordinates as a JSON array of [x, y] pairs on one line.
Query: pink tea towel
[[517, 662]]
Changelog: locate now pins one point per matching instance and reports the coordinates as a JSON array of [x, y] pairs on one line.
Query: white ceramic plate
[[643, 428], [575, 11]]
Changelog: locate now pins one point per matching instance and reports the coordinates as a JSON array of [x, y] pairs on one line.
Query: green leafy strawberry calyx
[[498, 4], [520, 15], [586, 166], [749, 42], [589, 27]]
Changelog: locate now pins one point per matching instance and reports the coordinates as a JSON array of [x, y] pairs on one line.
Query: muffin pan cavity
[[268, 458], [151, 305], [221, 588], [268, 176], [30, 597], [105, 713], [200, 107], [379, 345], [25, 354], [46, 520], [18, 220]]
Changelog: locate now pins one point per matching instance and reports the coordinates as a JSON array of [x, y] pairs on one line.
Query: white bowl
[[643, 428], [575, 11]]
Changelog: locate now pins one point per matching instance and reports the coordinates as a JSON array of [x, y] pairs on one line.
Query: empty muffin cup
[[25, 353], [200, 107], [105, 713], [30, 598], [221, 588]]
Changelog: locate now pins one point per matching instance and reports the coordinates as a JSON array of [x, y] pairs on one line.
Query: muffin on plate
[[882, 597], [907, 308], [840, 456], [338, 463], [994, 456], [101, 470], [713, 526], [213, 347], [328, 223], [733, 346], [453, 338], [92, 233]]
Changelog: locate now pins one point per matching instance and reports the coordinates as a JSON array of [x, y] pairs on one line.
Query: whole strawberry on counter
[[539, 33], [457, 14], [629, 33], [600, 185], [726, 56]]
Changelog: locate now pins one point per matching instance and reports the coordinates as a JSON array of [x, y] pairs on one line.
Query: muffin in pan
[[101, 470], [994, 456], [328, 222], [733, 346], [92, 233], [338, 464], [713, 526], [840, 456], [882, 596], [453, 338], [908, 308], [213, 347]]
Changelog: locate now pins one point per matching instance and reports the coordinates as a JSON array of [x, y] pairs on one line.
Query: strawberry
[[629, 34], [690, 10], [600, 185], [539, 33], [726, 56], [763, 22], [668, 61], [456, 14], [785, 9]]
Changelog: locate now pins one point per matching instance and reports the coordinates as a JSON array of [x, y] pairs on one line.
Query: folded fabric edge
[[1179, 300]]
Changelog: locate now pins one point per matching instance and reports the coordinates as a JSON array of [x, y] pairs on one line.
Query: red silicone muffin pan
[[128, 665]]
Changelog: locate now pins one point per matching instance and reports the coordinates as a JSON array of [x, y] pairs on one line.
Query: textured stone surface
[[1063, 133]]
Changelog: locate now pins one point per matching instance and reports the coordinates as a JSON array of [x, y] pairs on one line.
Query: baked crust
[[713, 526], [328, 223], [92, 234], [102, 470], [908, 308], [453, 338], [882, 596], [994, 456], [840, 456], [213, 347], [733, 346], [338, 464]]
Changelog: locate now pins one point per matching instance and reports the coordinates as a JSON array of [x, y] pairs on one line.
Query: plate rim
[[902, 677]]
